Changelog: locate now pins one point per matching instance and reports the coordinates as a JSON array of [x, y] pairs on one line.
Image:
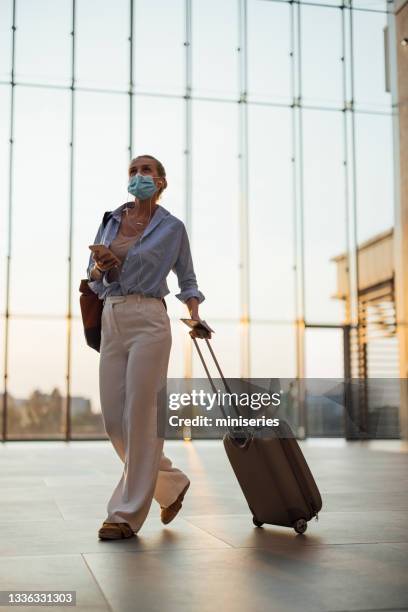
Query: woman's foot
[[115, 531], [168, 514]]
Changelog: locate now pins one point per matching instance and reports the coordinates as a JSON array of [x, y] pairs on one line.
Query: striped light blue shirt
[[163, 246]]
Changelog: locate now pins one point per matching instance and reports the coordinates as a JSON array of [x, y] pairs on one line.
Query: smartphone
[[101, 249], [198, 325]]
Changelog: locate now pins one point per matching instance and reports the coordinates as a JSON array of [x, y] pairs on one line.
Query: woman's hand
[[104, 263], [200, 333], [192, 304]]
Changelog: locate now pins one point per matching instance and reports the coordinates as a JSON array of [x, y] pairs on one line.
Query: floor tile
[[53, 573], [56, 537], [331, 528]]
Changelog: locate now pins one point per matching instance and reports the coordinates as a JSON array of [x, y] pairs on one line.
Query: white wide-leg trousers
[[135, 349]]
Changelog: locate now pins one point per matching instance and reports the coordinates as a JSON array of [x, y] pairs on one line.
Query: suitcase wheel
[[300, 525], [256, 522]]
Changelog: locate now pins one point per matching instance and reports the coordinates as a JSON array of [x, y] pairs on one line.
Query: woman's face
[[145, 165]]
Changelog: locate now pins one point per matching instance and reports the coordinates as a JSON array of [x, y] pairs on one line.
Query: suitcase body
[[272, 472], [275, 479]]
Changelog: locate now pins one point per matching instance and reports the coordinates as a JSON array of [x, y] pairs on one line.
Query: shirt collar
[[160, 214]]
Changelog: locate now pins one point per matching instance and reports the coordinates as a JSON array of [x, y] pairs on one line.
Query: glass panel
[[215, 239], [374, 5], [324, 213], [100, 175], [330, 2], [374, 175], [369, 62], [159, 131], [37, 378], [269, 66], [273, 358], [325, 417], [158, 46], [214, 48], [102, 45], [321, 51], [6, 21], [44, 58], [273, 350], [86, 419], [181, 345], [323, 359], [324, 353], [40, 204], [4, 187], [227, 348], [270, 214]]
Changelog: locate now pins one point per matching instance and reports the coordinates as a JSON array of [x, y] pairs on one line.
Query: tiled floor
[[210, 557]]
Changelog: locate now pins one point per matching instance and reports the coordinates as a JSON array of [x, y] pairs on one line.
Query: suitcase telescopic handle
[[207, 370], [237, 432]]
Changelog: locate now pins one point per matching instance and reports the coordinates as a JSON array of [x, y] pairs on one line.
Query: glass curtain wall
[[273, 122]]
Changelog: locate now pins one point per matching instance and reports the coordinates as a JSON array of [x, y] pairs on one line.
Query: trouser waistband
[[137, 297]]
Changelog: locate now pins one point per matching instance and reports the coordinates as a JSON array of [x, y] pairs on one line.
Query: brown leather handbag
[[91, 310], [92, 307]]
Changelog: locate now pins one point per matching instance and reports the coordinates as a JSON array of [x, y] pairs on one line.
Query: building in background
[[398, 29]]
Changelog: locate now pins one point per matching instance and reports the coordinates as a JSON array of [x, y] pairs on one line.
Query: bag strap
[[106, 217]]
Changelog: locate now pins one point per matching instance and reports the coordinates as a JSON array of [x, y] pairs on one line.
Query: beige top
[[129, 231]]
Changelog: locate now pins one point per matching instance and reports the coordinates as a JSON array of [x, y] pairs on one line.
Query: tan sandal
[[169, 513], [115, 531]]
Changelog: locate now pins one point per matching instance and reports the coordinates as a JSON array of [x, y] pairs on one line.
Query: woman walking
[[146, 241]]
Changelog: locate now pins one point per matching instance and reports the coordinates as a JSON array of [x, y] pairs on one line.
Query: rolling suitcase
[[272, 472]]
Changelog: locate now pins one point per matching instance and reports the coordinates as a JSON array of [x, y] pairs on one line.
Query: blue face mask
[[142, 186]]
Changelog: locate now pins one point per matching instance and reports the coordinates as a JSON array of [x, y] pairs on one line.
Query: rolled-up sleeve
[[184, 270]]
